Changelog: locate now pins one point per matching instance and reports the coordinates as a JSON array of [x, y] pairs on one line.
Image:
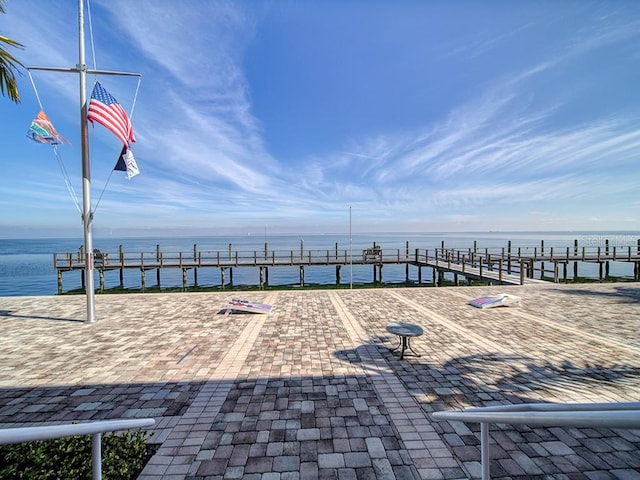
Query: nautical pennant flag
[[106, 110], [126, 163], [42, 131]]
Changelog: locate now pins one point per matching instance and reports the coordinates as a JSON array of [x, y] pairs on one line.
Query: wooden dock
[[505, 266]]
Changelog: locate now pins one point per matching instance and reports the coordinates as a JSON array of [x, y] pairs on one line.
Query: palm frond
[[9, 65]]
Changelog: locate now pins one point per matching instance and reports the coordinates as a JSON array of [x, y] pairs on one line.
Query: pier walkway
[[503, 266], [312, 390]]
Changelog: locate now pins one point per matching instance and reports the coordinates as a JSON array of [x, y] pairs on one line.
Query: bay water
[[27, 265]]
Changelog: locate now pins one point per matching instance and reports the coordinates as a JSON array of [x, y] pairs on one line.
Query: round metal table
[[405, 331]]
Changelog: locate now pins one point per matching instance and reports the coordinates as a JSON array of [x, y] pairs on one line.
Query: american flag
[[106, 110]]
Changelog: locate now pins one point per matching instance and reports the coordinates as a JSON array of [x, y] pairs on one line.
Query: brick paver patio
[[313, 391]]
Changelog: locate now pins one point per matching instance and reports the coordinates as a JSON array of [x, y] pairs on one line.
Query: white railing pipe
[[623, 415], [95, 429]]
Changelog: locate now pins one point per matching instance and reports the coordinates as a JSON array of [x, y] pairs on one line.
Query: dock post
[[600, 271], [522, 273], [532, 268], [82, 278], [121, 257], [157, 252], [338, 274], [374, 273], [195, 276], [266, 276], [60, 282], [158, 277], [406, 273], [142, 279], [380, 271], [184, 278], [419, 274], [301, 276], [261, 278], [101, 275], [222, 277], [231, 276], [195, 252], [509, 257]]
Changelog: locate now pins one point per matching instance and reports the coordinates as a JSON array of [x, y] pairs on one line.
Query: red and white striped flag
[[106, 110]]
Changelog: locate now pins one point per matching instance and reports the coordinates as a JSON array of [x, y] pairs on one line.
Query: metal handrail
[[624, 415], [95, 429]]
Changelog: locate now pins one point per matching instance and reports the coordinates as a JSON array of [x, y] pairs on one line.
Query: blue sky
[[420, 116]]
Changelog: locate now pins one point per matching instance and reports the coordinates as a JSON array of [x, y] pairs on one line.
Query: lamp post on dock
[[350, 253]]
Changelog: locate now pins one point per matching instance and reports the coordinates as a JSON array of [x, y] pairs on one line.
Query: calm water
[[26, 266]]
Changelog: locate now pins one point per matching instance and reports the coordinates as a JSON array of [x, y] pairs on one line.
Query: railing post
[[484, 451], [96, 456]]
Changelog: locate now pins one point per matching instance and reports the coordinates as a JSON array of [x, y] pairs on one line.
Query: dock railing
[[478, 256], [95, 429], [623, 415], [232, 258]]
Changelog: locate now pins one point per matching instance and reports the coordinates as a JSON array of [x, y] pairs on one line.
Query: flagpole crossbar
[[86, 70]]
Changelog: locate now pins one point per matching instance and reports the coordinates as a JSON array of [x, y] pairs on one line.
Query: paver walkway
[[312, 390]]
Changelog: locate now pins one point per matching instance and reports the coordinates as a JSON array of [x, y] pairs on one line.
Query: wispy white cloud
[[204, 155]]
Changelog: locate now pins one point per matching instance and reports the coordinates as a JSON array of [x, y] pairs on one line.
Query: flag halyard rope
[[95, 66], [63, 170]]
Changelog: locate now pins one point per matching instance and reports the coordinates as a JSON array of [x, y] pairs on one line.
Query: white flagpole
[[87, 216]]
